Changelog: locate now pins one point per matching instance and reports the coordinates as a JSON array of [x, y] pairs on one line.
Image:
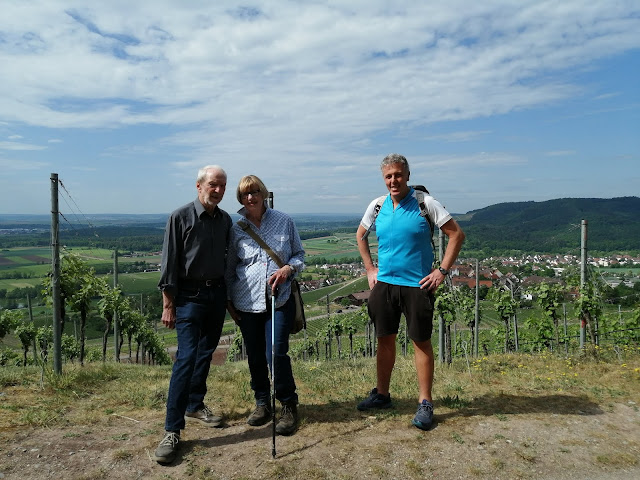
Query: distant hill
[[554, 225]]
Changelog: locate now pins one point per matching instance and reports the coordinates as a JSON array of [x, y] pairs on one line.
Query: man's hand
[[432, 281], [372, 277], [168, 310], [365, 253], [169, 317]]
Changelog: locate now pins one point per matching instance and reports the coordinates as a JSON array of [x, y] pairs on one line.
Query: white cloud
[[8, 165], [458, 136], [19, 146], [314, 91], [560, 153]]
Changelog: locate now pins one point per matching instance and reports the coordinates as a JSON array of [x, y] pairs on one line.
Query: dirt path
[[585, 441]]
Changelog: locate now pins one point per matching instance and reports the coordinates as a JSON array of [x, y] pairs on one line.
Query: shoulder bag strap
[[245, 226]]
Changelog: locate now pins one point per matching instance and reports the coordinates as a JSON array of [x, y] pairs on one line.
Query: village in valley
[[507, 271]]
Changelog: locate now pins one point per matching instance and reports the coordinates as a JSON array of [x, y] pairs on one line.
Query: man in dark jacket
[[194, 302]]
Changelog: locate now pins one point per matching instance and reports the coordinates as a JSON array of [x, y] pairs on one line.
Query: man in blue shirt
[[404, 282]]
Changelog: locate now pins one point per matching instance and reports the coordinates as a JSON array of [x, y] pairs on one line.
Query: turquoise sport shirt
[[405, 255]]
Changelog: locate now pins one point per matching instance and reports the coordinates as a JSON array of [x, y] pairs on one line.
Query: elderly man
[[404, 280], [194, 302]]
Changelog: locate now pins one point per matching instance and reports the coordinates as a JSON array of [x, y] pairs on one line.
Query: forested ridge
[[552, 226]]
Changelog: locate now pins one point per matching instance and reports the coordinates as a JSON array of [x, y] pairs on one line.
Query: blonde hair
[[249, 183]]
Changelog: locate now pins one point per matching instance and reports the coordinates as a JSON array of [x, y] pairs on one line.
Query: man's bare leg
[[385, 361], [423, 355]]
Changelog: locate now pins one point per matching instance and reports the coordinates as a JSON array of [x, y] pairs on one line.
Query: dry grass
[[498, 385], [504, 416]]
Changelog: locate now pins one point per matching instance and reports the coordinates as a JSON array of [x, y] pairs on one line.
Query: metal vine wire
[[77, 212]]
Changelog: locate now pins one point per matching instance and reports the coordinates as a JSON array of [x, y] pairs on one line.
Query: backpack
[[420, 191]]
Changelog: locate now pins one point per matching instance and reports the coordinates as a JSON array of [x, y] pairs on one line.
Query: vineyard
[[338, 326], [347, 332]]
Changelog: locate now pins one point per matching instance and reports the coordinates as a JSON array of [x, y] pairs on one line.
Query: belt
[[201, 283]]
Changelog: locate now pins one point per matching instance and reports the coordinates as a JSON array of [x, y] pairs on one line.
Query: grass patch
[[454, 402], [621, 459]]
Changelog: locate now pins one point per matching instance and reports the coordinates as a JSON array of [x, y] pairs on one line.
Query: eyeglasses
[[253, 193]]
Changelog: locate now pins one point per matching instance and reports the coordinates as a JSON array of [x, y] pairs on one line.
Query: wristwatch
[[443, 271]]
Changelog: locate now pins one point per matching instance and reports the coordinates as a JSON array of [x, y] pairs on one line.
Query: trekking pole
[[273, 357], [273, 372]]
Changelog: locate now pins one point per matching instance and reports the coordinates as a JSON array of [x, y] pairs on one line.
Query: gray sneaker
[[424, 415], [166, 451], [205, 416]]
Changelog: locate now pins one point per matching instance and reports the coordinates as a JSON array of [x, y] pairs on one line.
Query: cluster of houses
[[464, 273], [560, 261]]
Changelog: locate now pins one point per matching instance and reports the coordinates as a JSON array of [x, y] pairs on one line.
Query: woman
[[252, 276]]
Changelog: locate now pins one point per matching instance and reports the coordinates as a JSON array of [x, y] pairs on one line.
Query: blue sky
[[493, 101]]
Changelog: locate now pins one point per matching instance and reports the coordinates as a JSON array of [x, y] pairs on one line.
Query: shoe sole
[[259, 423], [421, 425], [377, 407], [286, 433], [163, 460], [202, 422]]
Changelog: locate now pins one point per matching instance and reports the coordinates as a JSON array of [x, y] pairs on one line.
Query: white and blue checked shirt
[[249, 266]]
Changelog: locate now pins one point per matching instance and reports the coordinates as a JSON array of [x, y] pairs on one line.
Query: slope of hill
[[554, 225]]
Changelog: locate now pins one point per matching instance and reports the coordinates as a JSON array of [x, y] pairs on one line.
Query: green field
[[28, 267], [342, 245], [38, 259]]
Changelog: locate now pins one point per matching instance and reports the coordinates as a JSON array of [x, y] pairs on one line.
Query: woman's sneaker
[[375, 400], [424, 415]]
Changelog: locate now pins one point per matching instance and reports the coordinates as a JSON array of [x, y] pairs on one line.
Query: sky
[[491, 102]]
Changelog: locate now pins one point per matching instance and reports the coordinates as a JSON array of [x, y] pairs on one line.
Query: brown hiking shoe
[[167, 449], [204, 416], [260, 416], [288, 422]]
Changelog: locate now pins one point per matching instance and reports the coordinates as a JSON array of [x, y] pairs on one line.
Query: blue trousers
[[256, 331], [199, 318]]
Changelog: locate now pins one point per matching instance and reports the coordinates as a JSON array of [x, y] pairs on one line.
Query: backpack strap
[[420, 191], [425, 213], [376, 211]]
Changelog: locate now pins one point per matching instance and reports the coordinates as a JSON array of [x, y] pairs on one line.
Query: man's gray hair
[[202, 173], [394, 158]]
